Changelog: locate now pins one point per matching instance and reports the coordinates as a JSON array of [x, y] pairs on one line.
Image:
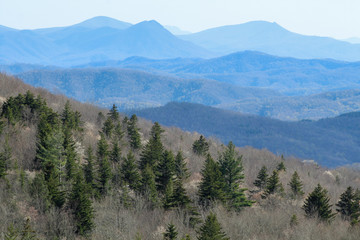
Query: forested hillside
[[73, 171], [331, 142]]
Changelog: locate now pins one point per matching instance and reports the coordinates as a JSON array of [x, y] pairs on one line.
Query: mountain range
[[330, 142], [273, 39], [93, 40], [248, 82], [103, 39]]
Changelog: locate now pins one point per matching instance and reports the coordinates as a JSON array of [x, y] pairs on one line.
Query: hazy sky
[[335, 18]]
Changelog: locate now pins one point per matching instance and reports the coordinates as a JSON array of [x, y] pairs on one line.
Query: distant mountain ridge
[[273, 39], [96, 39], [107, 39], [330, 142], [289, 76], [133, 89]]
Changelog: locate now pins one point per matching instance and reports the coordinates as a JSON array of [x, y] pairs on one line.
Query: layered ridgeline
[[273, 39], [96, 39], [248, 82], [102, 39], [69, 170], [331, 142], [138, 89]]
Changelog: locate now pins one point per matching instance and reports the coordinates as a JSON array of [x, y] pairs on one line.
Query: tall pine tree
[[262, 178], [212, 184], [165, 170], [133, 133], [317, 205], [348, 205], [81, 205], [152, 153], [181, 170], [129, 172], [211, 229], [232, 172], [104, 165], [296, 185]]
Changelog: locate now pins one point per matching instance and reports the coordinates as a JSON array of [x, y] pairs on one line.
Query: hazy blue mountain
[[131, 88], [97, 39], [255, 69], [329, 104], [102, 21], [273, 39], [25, 46], [331, 142], [176, 31]]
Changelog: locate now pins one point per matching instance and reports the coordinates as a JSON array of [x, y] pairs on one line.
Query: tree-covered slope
[[330, 142], [74, 171]]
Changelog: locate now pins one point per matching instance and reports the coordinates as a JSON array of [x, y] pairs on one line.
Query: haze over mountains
[[255, 68], [273, 39], [249, 82], [103, 38]]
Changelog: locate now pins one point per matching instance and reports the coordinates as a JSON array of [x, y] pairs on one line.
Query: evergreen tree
[[104, 165], [82, 207], [200, 146], [168, 200], [211, 229], [232, 172], [152, 153], [179, 198], [70, 154], [55, 189], [317, 205], [108, 127], [89, 169], [148, 185], [294, 221], [115, 155], [262, 178], [133, 133], [165, 170], [114, 114], [11, 233], [119, 133], [181, 171], [212, 184], [273, 185], [5, 158], [281, 167], [348, 207], [129, 172], [296, 185], [171, 233], [27, 232], [68, 116]]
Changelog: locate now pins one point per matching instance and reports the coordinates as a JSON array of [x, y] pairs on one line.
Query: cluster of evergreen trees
[[70, 181], [317, 203]]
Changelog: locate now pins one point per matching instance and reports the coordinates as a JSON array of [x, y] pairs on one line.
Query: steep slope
[[273, 39], [124, 213], [331, 142]]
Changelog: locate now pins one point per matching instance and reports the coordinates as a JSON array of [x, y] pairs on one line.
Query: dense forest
[[74, 171]]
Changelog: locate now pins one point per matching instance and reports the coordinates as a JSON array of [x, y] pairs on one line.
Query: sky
[[335, 18]]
